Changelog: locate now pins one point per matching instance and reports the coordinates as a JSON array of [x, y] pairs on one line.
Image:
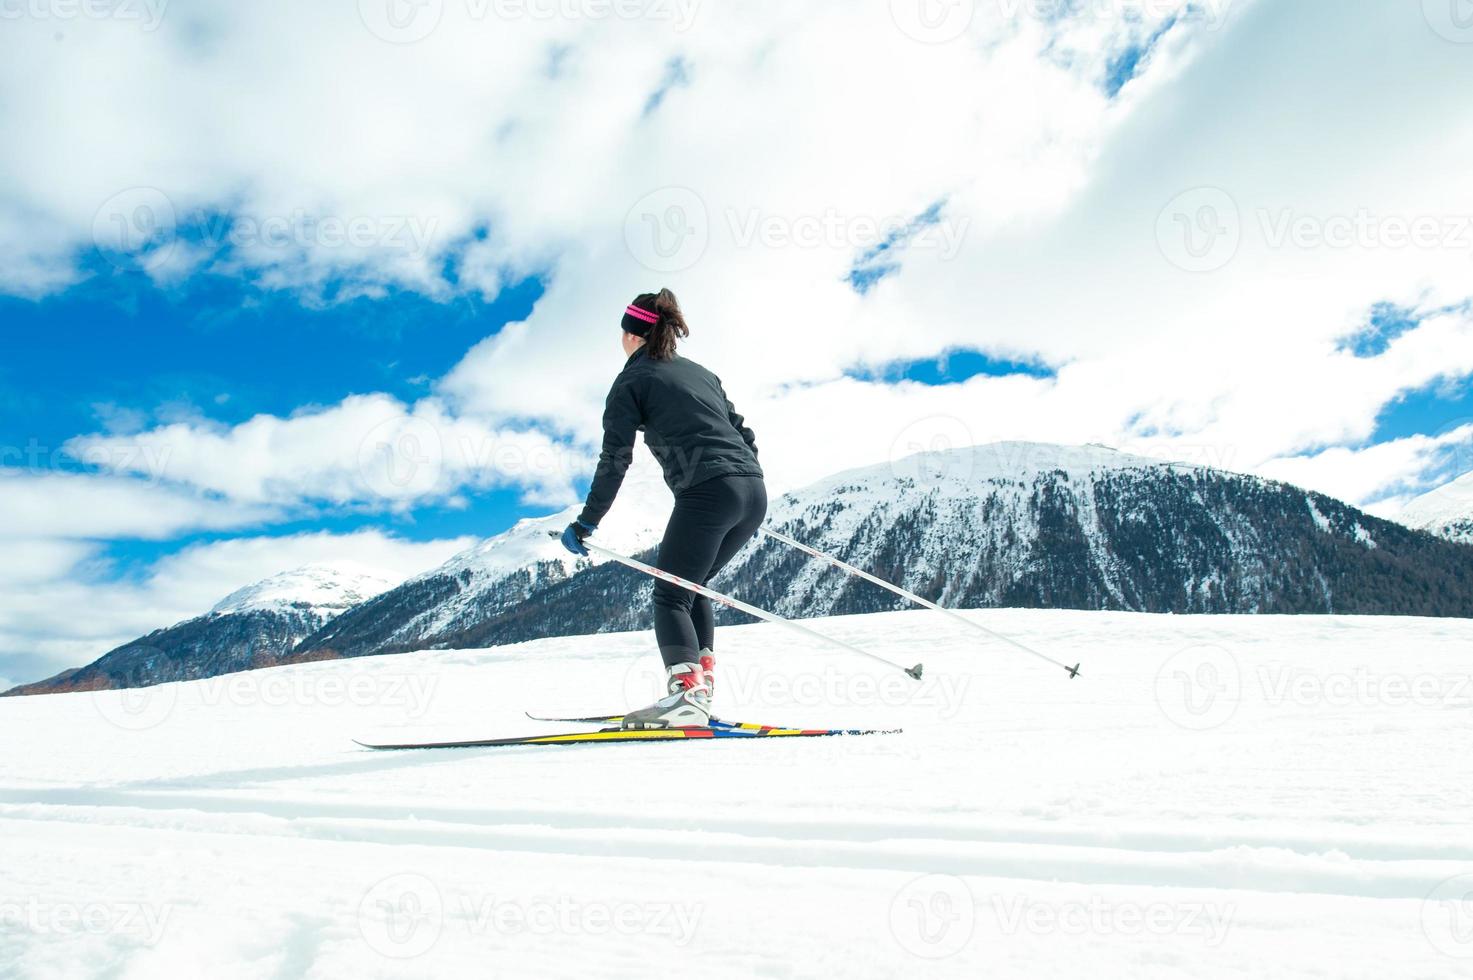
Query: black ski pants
[[711, 522]]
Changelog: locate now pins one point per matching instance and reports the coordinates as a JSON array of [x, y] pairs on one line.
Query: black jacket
[[688, 423]]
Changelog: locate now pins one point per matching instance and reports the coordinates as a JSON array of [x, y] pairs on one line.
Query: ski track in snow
[[1212, 797]]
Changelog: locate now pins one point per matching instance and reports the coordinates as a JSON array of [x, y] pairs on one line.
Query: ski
[[613, 735], [618, 719]]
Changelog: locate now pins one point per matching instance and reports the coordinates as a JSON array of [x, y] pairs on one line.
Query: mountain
[[1030, 525], [257, 626], [1446, 512], [485, 583], [1007, 524]]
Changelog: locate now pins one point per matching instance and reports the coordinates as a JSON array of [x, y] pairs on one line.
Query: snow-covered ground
[[1213, 797]]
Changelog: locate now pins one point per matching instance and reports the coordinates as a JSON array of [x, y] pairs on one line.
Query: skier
[[709, 459]]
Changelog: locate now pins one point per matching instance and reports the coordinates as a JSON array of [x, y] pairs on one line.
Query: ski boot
[[688, 705]]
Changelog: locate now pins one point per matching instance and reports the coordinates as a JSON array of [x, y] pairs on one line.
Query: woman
[[709, 457]]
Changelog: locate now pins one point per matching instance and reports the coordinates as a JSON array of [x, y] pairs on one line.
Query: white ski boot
[[688, 705]]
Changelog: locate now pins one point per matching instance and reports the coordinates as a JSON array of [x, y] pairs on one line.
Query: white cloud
[[368, 450], [38, 505], [1384, 474], [787, 148], [1066, 254], [514, 146], [40, 560]]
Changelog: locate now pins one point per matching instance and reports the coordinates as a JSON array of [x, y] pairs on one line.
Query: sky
[[301, 282]]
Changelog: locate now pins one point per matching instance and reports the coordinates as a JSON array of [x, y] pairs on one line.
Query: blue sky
[[1064, 223], [952, 367], [117, 345], [1431, 409], [119, 353]]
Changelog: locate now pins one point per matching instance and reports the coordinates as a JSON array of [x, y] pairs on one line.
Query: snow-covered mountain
[[1006, 524], [488, 581], [318, 589], [1043, 526], [257, 626], [1446, 511]]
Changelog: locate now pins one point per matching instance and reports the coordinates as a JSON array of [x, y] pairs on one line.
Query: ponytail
[[660, 342]]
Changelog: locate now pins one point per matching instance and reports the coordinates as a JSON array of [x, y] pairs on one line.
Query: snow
[[1213, 797], [957, 481], [637, 520], [326, 588], [961, 471], [974, 501], [530, 542], [1448, 510], [635, 523]]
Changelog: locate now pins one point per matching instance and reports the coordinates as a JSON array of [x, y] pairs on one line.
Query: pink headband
[[642, 314]]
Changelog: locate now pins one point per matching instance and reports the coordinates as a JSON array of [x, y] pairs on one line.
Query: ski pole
[[747, 608], [907, 594]]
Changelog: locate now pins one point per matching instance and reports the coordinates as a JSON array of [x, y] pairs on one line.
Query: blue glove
[[574, 535]]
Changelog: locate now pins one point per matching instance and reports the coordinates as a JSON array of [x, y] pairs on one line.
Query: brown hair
[[660, 342]]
